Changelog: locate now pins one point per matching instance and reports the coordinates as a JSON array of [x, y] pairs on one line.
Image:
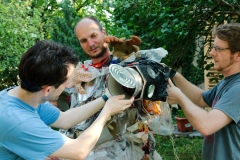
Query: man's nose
[[212, 52], [90, 42]]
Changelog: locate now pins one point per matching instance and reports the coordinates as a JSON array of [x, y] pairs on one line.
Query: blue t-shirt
[[24, 130]]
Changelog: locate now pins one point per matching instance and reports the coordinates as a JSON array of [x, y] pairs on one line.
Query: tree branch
[[234, 8]]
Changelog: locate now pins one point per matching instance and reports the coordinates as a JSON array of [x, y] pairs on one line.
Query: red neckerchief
[[100, 64]]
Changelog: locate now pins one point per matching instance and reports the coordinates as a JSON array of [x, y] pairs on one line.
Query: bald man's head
[[89, 19]]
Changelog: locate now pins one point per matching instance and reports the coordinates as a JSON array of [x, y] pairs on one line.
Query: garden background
[[182, 27]]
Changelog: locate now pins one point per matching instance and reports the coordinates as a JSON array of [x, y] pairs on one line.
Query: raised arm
[[79, 148], [76, 115], [193, 92], [205, 122]]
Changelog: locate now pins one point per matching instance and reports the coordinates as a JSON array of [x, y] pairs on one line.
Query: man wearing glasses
[[220, 126]]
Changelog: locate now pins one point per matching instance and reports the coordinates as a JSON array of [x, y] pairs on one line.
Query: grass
[[185, 148], [179, 148]]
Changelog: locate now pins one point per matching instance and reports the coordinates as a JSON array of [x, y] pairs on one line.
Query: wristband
[[104, 97]]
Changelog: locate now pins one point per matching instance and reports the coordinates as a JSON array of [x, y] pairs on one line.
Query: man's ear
[[238, 56], [46, 90], [104, 32]]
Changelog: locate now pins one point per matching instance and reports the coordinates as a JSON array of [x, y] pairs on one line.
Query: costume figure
[[127, 135]]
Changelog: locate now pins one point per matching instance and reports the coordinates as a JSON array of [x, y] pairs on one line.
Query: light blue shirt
[[24, 130]]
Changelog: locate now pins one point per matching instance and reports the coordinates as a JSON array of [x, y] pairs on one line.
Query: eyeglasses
[[219, 49]]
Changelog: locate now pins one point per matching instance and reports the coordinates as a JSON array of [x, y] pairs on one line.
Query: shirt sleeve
[[48, 113], [208, 96], [35, 140], [229, 102]]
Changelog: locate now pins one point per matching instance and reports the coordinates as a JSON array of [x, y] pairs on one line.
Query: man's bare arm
[[79, 148], [193, 92]]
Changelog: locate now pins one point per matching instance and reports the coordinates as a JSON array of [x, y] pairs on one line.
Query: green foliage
[[194, 72], [182, 27], [71, 11], [182, 147], [48, 10], [22, 23], [63, 28], [18, 31]]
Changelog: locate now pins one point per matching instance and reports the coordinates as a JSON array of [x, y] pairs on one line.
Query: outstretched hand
[[117, 104], [174, 93]]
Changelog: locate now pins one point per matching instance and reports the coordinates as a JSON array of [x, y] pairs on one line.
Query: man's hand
[[174, 93], [117, 104]]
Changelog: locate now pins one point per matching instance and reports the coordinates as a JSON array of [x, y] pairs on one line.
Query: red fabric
[[100, 64]]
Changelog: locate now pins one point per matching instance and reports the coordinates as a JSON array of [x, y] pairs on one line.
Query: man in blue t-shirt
[[221, 125], [45, 70]]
